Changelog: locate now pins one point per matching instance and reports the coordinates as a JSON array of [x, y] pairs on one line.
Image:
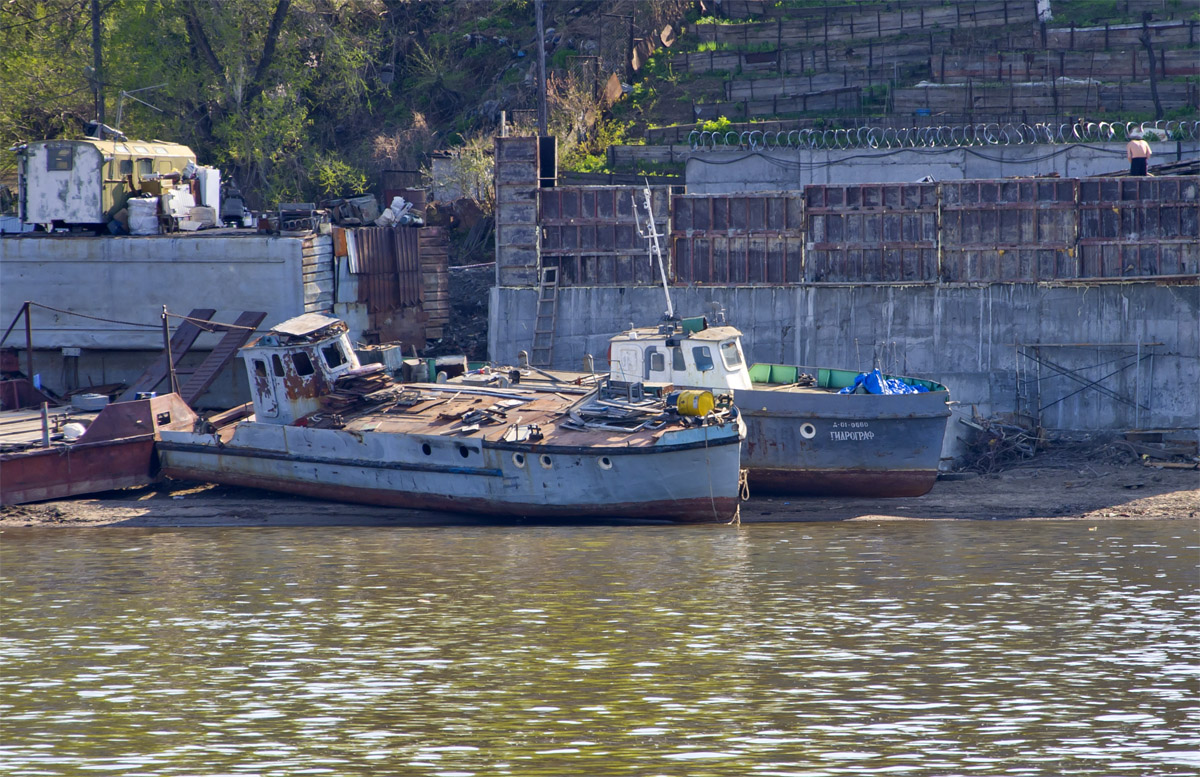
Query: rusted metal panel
[[871, 233], [117, 451], [389, 268], [1004, 231], [737, 239], [1138, 227], [591, 234]]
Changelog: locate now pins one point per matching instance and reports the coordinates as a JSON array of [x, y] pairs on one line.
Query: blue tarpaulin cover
[[873, 382]]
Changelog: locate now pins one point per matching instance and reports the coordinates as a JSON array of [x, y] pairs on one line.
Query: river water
[[907, 648]]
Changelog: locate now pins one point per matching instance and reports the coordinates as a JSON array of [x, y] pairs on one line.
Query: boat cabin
[[295, 364], [682, 352]]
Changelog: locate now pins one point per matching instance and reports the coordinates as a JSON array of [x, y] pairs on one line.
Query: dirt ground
[[1056, 488]]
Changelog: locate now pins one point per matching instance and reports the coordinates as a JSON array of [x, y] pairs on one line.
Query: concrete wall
[[127, 280], [734, 171], [968, 337]]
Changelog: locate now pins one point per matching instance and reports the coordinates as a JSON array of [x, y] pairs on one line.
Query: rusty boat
[[320, 424], [61, 452]]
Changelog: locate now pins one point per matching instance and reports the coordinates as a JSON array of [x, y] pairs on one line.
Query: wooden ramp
[[235, 337], [183, 339], [193, 383]]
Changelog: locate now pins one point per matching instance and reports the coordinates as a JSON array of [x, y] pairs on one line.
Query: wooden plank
[[183, 339], [226, 349]]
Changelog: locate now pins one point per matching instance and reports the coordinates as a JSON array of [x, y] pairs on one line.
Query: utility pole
[[98, 83], [541, 44]]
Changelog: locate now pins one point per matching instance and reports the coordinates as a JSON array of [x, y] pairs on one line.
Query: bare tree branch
[[200, 42], [260, 72]]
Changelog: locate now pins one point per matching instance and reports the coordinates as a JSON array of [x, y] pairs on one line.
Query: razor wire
[[984, 134]]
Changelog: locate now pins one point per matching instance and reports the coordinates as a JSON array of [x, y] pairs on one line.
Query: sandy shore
[[1072, 488]]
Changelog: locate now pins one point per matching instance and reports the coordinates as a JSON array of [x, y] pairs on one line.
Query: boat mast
[[652, 234]]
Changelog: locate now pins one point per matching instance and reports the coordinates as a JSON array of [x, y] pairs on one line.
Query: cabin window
[[277, 363], [126, 167], [677, 362], [260, 368], [145, 166], [304, 365], [703, 357], [730, 354], [655, 360], [59, 158], [160, 150], [333, 355]]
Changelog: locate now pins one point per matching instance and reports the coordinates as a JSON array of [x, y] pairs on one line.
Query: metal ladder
[[547, 317]]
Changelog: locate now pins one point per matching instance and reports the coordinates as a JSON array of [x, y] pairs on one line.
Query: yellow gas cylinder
[[694, 403]]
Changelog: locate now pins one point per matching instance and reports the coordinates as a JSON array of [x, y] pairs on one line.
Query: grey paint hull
[[692, 475], [842, 444]]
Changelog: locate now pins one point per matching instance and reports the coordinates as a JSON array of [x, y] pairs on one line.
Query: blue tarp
[[873, 382]]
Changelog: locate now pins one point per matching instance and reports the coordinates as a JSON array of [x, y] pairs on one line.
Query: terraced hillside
[[770, 67]]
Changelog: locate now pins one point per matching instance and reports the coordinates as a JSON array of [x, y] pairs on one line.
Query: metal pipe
[[96, 66], [28, 345], [45, 425], [541, 39], [174, 382]]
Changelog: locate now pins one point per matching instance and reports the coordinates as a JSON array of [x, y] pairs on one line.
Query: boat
[[321, 424], [67, 451], [813, 431], [809, 430]]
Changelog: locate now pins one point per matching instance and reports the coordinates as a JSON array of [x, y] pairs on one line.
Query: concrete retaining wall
[[736, 171], [127, 280], [976, 339]]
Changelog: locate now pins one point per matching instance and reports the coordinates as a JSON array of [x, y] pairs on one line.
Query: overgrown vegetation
[[302, 99]]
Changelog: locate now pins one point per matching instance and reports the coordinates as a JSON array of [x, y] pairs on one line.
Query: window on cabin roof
[[731, 355], [333, 355], [304, 365], [677, 361]]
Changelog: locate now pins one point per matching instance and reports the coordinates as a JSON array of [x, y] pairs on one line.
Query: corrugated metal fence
[[389, 268]]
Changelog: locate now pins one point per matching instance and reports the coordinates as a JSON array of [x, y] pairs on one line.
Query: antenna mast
[[124, 94], [652, 234]]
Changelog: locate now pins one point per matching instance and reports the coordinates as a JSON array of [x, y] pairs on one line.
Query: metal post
[[96, 63], [28, 345], [174, 382], [541, 37], [45, 425], [1137, 387]]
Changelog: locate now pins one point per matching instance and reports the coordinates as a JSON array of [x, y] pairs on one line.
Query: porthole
[[605, 462], [426, 449], [519, 459], [545, 461], [464, 451], [808, 431]]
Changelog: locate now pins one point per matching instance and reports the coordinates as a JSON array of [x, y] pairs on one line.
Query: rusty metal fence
[[991, 231], [389, 268], [591, 234]]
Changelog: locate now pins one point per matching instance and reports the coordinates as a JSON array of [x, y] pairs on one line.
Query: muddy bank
[[1078, 489]]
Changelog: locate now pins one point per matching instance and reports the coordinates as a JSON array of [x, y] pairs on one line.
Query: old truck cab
[[295, 364], [683, 352]]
